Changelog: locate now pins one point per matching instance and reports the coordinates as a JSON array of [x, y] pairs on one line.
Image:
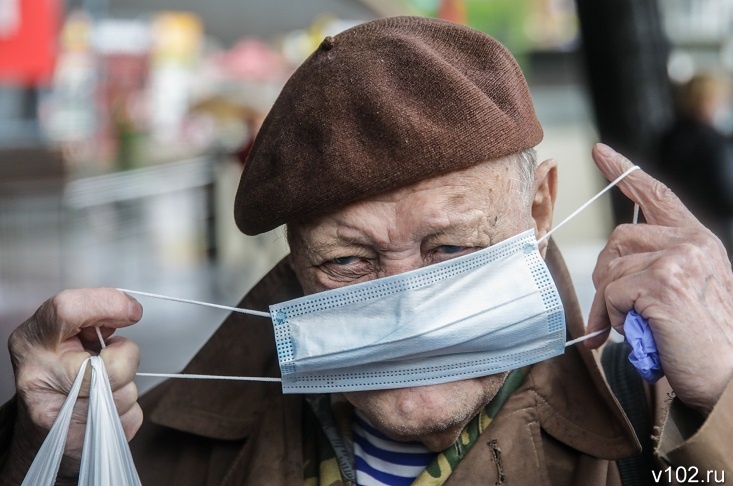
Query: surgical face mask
[[480, 314], [490, 311]]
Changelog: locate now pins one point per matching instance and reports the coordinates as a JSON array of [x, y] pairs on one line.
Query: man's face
[[409, 228]]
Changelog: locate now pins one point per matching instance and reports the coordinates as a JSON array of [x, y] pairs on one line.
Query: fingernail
[[134, 309], [606, 150]]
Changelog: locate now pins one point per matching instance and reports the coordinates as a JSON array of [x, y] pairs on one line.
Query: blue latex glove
[[644, 355]]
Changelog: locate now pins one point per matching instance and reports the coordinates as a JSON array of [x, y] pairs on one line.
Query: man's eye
[[450, 248], [347, 260]]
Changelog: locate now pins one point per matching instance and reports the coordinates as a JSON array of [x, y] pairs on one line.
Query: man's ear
[[543, 202]]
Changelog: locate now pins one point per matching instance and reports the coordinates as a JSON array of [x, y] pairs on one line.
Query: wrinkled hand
[[675, 273], [47, 352]]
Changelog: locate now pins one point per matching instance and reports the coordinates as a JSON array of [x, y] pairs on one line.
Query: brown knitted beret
[[380, 106]]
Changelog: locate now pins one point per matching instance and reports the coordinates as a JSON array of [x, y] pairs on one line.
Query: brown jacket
[[562, 427]]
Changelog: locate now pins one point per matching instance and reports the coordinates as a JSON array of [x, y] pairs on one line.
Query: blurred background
[[124, 125]]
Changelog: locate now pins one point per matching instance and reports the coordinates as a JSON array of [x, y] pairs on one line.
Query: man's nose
[[397, 265]]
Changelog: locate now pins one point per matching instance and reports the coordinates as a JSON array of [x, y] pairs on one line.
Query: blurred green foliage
[[505, 20]]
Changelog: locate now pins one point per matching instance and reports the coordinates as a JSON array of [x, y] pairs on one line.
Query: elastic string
[[575, 213], [206, 304], [99, 335], [596, 333], [196, 302], [587, 336], [212, 377], [588, 203]]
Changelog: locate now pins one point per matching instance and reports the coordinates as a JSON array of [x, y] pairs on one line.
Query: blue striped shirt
[[382, 461]]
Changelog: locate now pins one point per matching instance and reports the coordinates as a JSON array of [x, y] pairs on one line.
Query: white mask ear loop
[[575, 213], [193, 376], [596, 333], [196, 302], [184, 375], [101, 339], [589, 202]]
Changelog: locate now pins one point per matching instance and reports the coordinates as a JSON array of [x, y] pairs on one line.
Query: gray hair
[[527, 160]]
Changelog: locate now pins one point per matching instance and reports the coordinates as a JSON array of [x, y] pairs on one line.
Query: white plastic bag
[[105, 458]]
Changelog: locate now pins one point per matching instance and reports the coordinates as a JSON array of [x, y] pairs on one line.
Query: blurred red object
[[453, 10], [28, 44], [253, 59]]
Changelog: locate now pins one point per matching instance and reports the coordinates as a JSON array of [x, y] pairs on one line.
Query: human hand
[[674, 272], [47, 351]]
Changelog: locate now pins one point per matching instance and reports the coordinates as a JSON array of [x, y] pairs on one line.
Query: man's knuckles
[[692, 247], [667, 281], [625, 239], [65, 308], [688, 265], [712, 246], [125, 397], [121, 359]]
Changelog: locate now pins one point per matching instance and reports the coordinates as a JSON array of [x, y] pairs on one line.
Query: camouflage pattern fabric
[[320, 465], [446, 462]]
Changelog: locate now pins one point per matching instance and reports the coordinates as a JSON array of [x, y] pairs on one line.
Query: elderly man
[[401, 144]]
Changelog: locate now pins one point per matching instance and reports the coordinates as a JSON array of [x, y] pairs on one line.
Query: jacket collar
[[574, 402]]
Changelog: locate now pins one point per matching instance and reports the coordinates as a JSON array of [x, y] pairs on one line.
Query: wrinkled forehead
[[489, 194]]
